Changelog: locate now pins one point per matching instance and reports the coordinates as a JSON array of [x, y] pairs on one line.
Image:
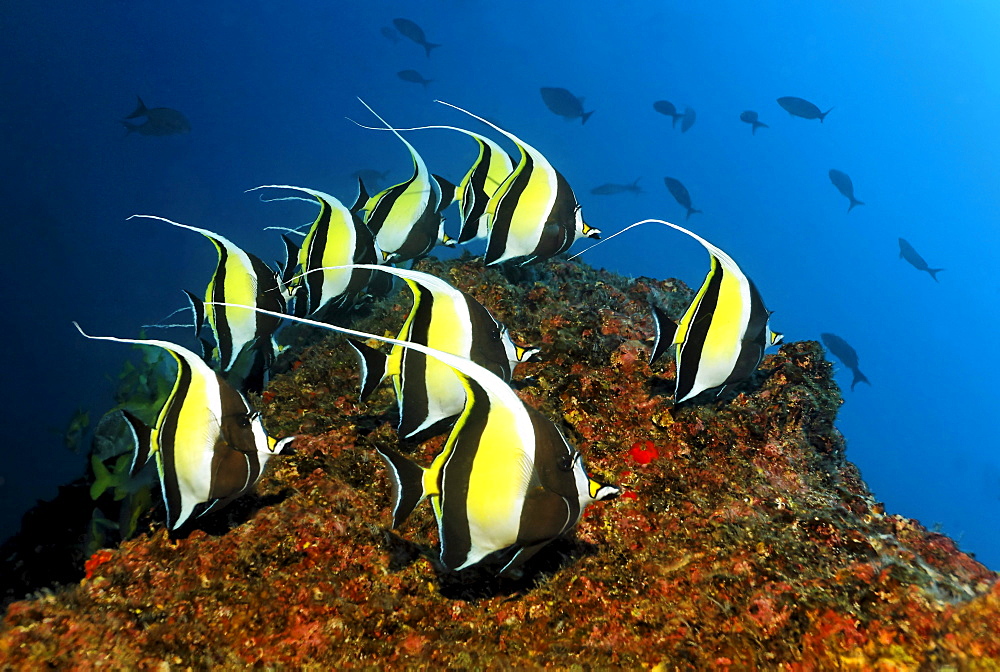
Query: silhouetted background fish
[[680, 194], [687, 119], [412, 31], [413, 76], [844, 185], [842, 350], [907, 252], [798, 107], [750, 117], [373, 179], [667, 108], [159, 121], [610, 189], [564, 103]]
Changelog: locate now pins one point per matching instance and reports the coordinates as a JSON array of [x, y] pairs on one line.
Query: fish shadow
[[484, 582], [217, 523]]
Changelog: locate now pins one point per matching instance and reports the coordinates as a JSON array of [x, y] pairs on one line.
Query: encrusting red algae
[[744, 540]]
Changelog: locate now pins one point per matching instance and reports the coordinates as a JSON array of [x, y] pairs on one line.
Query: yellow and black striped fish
[[405, 219], [534, 214], [722, 335], [444, 318], [242, 278], [506, 483], [480, 182], [209, 445], [337, 237]]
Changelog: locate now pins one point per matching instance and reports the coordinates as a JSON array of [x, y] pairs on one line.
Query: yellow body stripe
[[724, 342]]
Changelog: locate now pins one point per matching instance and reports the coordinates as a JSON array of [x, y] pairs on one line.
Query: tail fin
[[198, 311], [854, 202], [362, 198], [140, 438], [858, 378], [102, 477], [140, 109], [428, 46], [691, 211], [665, 330], [291, 259], [823, 115], [585, 116], [934, 272], [407, 483], [129, 127], [373, 365], [756, 125]]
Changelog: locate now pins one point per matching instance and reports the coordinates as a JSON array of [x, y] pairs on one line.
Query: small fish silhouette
[[413, 76], [564, 103], [846, 354], [667, 108], [844, 185], [750, 117], [159, 121], [680, 194], [687, 121], [611, 188], [907, 252], [412, 31], [797, 107]]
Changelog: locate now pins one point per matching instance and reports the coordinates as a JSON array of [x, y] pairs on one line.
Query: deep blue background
[[267, 89]]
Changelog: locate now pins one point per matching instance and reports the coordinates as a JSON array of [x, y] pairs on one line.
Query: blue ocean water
[[267, 89]]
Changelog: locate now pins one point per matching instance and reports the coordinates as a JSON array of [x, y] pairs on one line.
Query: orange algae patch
[[96, 560]]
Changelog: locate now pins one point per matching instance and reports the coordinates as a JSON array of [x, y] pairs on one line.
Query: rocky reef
[[744, 539]]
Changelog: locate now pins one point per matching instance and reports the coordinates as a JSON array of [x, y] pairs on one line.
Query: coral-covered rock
[[745, 540]]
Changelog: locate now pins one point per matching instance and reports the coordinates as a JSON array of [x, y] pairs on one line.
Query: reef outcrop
[[744, 540]]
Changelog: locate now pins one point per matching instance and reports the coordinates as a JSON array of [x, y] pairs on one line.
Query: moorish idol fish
[[405, 218], [480, 182], [242, 278], [337, 237], [534, 214], [722, 336], [507, 482], [449, 320], [209, 445]]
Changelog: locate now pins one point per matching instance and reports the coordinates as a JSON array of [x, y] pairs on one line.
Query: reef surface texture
[[744, 540]]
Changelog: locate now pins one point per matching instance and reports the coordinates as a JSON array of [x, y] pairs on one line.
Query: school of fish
[[507, 481]]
